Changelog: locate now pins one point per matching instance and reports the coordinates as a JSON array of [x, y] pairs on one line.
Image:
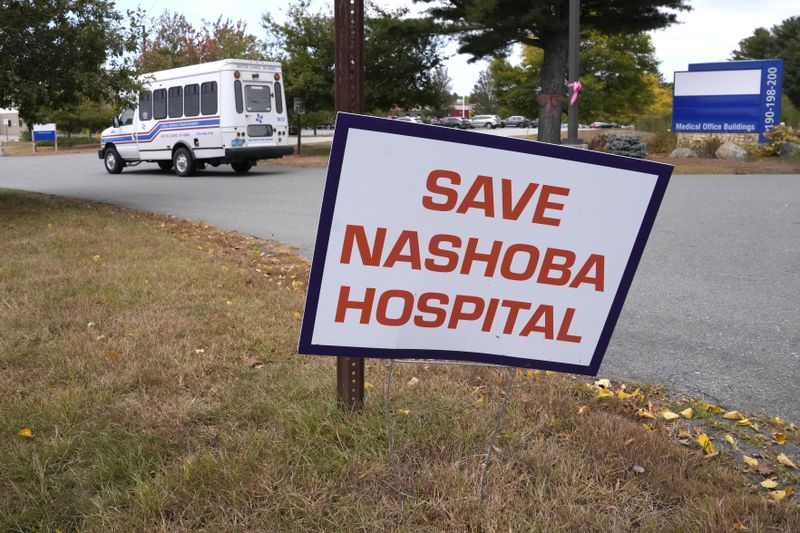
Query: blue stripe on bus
[[163, 126]]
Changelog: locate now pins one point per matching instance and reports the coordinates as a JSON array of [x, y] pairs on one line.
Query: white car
[[415, 120], [486, 121]]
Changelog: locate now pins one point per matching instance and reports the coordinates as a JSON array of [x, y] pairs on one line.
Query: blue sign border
[[761, 106], [345, 122]]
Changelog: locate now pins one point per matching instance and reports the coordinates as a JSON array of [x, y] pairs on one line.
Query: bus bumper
[[251, 153]]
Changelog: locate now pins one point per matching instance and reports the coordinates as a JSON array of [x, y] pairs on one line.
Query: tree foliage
[[780, 42], [54, 53], [174, 42], [403, 58], [487, 28]]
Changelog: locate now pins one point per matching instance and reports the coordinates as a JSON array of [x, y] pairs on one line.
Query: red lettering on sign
[[451, 195], [481, 186], [424, 307], [563, 331], [359, 235], [549, 265], [544, 203], [345, 303], [407, 238], [435, 249], [471, 255], [542, 312], [381, 312], [459, 313], [596, 262], [512, 212], [530, 263]]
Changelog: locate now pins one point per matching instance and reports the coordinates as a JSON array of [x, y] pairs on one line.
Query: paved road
[[714, 309]]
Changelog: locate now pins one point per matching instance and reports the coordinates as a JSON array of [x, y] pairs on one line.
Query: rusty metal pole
[[349, 94]]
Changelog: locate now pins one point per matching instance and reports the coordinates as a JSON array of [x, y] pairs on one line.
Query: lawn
[[149, 381]]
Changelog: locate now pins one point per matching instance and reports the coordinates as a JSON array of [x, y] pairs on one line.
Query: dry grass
[[128, 345]]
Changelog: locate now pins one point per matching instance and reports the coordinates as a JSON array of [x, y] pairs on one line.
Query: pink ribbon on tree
[[576, 88]]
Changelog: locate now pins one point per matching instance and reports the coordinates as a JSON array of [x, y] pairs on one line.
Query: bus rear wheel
[[183, 162], [242, 167]]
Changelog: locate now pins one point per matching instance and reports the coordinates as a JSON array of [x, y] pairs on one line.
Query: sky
[[710, 32]]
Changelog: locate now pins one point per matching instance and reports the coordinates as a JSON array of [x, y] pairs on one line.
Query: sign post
[[349, 97], [442, 244], [299, 110]]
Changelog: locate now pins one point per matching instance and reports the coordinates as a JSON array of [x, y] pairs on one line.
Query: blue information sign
[[728, 97], [46, 135]]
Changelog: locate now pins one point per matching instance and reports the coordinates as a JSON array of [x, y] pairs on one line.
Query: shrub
[[662, 142], [598, 143], [629, 145], [775, 138], [708, 147], [653, 123]]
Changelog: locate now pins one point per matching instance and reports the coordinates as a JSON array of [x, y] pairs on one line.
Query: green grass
[[125, 347]]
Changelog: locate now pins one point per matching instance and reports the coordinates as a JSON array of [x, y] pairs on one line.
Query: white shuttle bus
[[225, 112]]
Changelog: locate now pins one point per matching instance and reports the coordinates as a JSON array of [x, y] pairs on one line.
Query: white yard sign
[[445, 244]]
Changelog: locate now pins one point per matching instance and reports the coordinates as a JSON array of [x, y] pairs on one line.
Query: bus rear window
[[191, 100], [257, 98], [278, 98], [175, 102], [208, 98]]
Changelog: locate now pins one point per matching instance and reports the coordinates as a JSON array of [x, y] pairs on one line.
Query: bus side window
[[175, 102], [191, 100], [237, 94], [208, 98], [160, 103], [278, 98], [145, 105]]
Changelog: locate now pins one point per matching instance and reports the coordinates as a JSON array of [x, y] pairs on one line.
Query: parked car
[[486, 121], [415, 120], [601, 125], [455, 122], [516, 121]]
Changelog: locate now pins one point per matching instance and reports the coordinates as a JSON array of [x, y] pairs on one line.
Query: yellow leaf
[[778, 495], [605, 383], [481, 400], [769, 484], [738, 526], [603, 393], [548, 372], [646, 427], [744, 422], [532, 373], [622, 395], [705, 443], [785, 461], [404, 411], [668, 415], [111, 354], [644, 413], [749, 461], [683, 434], [297, 315], [730, 440], [297, 284], [687, 413], [733, 415], [711, 408], [367, 385], [25, 432], [583, 409], [778, 421], [780, 438]]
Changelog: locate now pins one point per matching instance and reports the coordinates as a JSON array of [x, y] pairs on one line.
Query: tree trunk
[[553, 75]]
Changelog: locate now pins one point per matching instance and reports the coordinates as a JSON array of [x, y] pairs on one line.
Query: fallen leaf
[[111, 354], [255, 362], [100, 337], [199, 351], [480, 401], [524, 397], [91, 325], [778, 421], [769, 484], [685, 442], [785, 461], [734, 415], [583, 409], [605, 383], [792, 427], [297, 315], [765, 470], [780, 438], [646, 427], [778, 495], [622, 395], [738, 526], [668, 415], [367, 385], [404, 411], [413, 382], [644, 413], [749, 461], [705, 443], [95, 258], [297, 284], [711, 408], [744, 422], [25, 432], [730, 440], [638, 469], [604, 393], [688, 413], [683, 434]]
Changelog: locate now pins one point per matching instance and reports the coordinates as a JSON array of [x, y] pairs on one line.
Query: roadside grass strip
[[149, 381]]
